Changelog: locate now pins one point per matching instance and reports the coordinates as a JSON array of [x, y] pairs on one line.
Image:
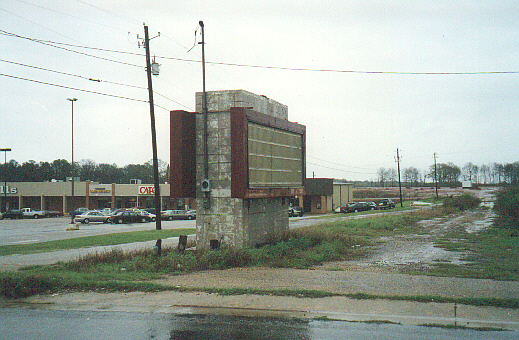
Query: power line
[[68, 15], [78, 89], [348, 166], [111, 13], [95, 80], [52, 43], [72, 88], [352, 172]]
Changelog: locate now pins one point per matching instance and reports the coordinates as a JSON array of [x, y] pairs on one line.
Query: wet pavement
[[45, 324]]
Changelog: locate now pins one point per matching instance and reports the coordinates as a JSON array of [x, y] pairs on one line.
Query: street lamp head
[[72, 99], [5, 149]]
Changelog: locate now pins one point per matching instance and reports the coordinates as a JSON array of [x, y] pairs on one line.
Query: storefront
[[58, 196]]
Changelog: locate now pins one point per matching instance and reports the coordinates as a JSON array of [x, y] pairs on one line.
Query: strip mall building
[[58, 196], [323, 196]]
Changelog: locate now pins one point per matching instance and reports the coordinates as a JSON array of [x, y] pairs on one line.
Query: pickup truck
[[29, 213]]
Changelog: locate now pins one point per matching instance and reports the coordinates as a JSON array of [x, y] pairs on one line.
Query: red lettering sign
[[146, 190]]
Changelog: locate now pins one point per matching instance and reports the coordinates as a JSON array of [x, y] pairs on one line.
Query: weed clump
[[507, 207], [20, 286], [462, 202]]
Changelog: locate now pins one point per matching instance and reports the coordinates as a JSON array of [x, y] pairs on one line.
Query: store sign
[[8, 190], [146, 190], [100, 190]]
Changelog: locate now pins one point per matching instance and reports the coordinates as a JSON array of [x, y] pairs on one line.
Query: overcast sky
[[356, 73]]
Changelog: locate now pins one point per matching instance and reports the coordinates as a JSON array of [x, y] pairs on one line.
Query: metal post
[[158, 224], [435, 175], [5, 150], [399, 182], [207, 201], [72, 100]]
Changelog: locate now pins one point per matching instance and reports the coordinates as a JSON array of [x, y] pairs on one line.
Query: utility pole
[[435, 174], [399, 182], [153, 135], [205, 185], [5, 150]]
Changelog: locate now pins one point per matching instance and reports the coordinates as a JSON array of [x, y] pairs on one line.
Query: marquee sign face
[[275, 157], [268, 155]]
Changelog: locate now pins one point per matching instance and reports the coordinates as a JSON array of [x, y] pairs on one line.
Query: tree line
[[86, 169], [449, 174]]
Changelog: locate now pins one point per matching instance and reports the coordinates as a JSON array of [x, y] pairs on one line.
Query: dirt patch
[[421, 250]]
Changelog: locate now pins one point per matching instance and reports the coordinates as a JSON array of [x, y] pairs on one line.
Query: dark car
[[128, 217], [386, 203], [151, 216], [356, 207], [295, 211], [13, 214], [372, 206], [53, 213], [78, 211]]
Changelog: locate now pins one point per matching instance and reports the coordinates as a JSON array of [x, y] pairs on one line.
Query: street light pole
[[5, 150], [72, 100]]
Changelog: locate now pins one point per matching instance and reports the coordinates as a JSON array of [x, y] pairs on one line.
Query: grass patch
[[92, 241], [480, 302], [493, 255], [446, 326]]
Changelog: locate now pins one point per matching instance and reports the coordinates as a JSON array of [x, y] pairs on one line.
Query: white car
[[92, 216]]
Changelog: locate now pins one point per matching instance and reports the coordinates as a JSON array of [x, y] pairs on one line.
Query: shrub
[[20, 286], [462, 202], [507, 207]]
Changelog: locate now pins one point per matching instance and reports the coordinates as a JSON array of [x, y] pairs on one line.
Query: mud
[[421, 250]]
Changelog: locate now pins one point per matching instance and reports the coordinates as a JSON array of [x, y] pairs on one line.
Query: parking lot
[[49, 229]]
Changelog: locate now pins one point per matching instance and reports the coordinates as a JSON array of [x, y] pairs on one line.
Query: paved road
[[56, 324], [50, 229]]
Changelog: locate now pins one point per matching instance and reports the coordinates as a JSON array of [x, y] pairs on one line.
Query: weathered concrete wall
[[233, 221], [223, 100]]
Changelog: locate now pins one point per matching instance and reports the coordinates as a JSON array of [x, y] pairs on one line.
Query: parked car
[[151, 210], [386, 203], [13, 214], [295, 211], [372, 206], [355, 207], [128, 217], [171, 215], [146, 213], [92, 216], [29, 213], [78, 211], [53, 213], [108, 211]]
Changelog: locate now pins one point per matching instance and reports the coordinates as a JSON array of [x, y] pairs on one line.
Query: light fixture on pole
[[72, 100], [5, 150]]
